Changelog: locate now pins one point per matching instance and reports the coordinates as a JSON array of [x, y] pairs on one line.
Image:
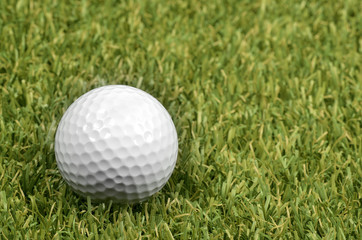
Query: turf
[[265, 95]]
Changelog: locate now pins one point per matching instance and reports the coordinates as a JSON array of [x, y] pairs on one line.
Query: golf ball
[[116, 143]]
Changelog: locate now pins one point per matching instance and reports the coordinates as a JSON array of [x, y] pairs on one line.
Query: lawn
[[266, 97]]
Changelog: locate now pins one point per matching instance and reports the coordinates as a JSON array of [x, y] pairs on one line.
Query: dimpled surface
[[116, 143]]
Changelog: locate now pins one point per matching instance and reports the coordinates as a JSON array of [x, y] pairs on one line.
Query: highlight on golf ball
[[116, 143]]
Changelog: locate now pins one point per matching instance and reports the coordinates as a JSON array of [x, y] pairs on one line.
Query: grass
[[265, 95]]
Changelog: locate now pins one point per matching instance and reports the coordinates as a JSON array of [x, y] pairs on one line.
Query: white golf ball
[[116, 143]]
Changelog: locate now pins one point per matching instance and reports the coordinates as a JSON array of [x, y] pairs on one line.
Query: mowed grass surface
[[266, 98]]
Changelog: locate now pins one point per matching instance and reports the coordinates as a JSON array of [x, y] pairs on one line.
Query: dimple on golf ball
[[116, 143]]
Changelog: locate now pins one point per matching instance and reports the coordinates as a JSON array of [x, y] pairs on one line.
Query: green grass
[[266, 97]]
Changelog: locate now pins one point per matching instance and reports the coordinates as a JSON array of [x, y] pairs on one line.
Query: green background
[[265, 96]]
